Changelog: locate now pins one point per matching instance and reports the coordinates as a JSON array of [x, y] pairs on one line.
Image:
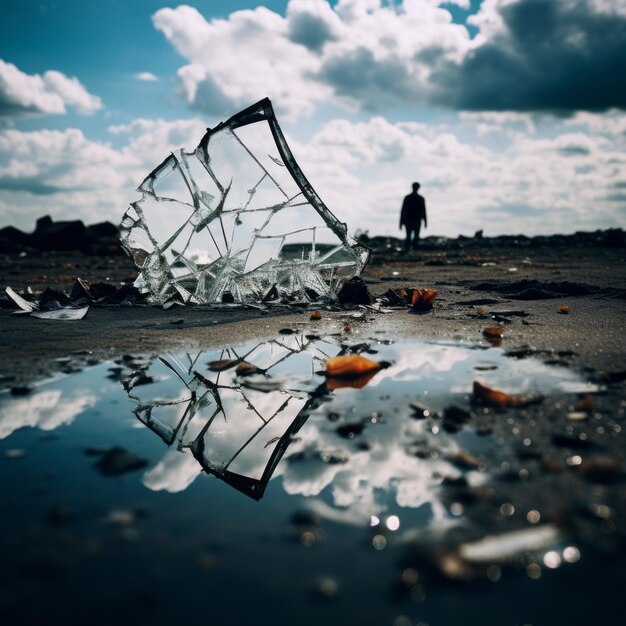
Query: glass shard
[[234, 219], [65, 314]]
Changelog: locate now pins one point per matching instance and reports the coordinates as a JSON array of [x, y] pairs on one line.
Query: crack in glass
[[236, 220]]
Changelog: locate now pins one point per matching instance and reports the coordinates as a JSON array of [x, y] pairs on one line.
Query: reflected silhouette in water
[[236, 415]]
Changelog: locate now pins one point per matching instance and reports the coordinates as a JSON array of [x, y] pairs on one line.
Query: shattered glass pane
[[236, 219]]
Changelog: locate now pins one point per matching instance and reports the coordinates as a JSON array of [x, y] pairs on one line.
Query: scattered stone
[[577, 416], [465, 460], [614, 377], [306, 518], [601, 469], [570, 441], [454, 418], [326, 588], [350, 431], [354, 291], [419, 412], [15, 453], [333, 415], [118, 461]]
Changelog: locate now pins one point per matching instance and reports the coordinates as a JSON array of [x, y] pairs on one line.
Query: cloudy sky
[[511, 113]]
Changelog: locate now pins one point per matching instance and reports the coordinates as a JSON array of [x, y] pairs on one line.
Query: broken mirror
[[236, 220]]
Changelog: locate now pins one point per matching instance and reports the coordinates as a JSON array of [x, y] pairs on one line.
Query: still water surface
[[172, 487]]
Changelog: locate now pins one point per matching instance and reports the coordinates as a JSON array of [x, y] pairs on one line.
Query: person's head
[[415, 186]]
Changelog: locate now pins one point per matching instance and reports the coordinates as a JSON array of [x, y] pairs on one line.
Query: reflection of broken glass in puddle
[[236, 220], [234, 413], [370, 446]]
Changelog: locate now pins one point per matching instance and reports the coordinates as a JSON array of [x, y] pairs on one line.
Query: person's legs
[[416, 235], [407, 243]]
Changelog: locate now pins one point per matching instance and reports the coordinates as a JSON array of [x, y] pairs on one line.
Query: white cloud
[[173, 473], [497, 121], [530, 183], [371, 55], [68, 176], [52, 92], [46, 409], [240, 60], [360, 52], [146, 77], [611, 123]]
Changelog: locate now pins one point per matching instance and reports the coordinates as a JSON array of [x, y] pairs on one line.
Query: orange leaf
[[422, 299], [402, 293], [584, 404], [359, 382], [493, 332], [222, 364], [245, 369], [564, 310], [316, 315], [347, 328], [351, 366], [492, 397]]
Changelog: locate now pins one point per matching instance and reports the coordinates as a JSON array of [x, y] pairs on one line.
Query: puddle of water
[[347, 480]]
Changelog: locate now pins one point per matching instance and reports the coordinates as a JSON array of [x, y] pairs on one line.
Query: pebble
[[15, 453], [600, 469]]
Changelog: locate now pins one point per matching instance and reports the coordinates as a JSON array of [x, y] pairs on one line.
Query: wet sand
[[472, 277]]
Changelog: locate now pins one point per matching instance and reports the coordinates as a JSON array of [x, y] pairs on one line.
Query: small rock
[[600, 469], [419, 412], [326, 588], [15, 453], [350, 431], [306, 518], [465, 460], [118, 461], [577, 416], [570, 441], [354, 291]]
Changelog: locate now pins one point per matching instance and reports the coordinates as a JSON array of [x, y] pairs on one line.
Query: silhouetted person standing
[[411, 217]]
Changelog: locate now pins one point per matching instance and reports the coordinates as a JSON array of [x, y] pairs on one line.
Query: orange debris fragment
[[359, 382], [422, 299], [493, 332], [244, 369], [222, 364], [493, 397], [564, 310], [584, 404], [351, 366], [316, 315]]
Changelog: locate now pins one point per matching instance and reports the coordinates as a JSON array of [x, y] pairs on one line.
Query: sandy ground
[[467, 278]]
